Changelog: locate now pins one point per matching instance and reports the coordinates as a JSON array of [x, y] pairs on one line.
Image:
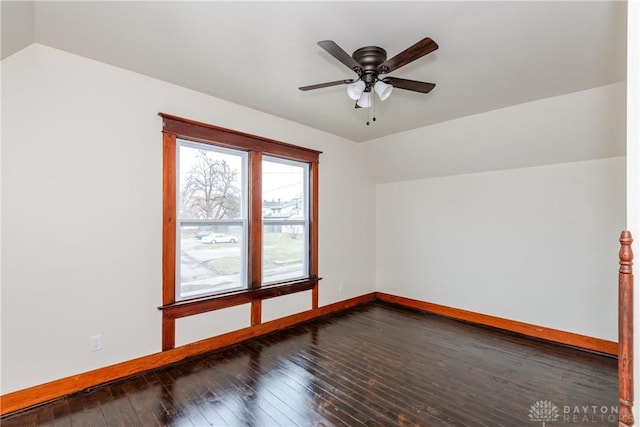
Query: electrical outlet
[[95, 343]]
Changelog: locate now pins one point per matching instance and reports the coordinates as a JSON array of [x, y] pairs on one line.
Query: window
[[240, 221]]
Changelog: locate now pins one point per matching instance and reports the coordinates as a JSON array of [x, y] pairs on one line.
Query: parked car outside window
[[200, 234], [218, 238]]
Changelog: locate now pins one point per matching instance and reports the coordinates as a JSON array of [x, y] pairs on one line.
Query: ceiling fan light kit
[[355, 90], [365, 100], [370, 63], [383, 90]]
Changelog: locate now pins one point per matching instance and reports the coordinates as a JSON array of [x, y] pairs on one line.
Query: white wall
[[502, 235], [536, 245], [81, 213]]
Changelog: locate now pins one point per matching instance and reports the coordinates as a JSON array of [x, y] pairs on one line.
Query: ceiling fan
[[370, 63]]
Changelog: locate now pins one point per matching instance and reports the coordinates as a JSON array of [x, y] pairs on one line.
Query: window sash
[[243, 281], [303, 223], [305, 270], [241, 221]]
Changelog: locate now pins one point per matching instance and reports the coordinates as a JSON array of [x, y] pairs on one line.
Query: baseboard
[[32, 396], [549, 334]]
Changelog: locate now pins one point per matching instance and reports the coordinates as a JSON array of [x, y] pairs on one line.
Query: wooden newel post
[[625, 331]]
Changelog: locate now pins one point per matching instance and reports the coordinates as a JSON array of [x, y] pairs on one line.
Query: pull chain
[[374, 107], [369, 118]]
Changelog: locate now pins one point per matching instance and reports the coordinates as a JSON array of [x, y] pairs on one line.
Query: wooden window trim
[[211, 134], [186, 308], [174, 127]]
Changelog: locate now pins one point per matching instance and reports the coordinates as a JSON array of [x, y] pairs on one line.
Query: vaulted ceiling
[[257, 54]]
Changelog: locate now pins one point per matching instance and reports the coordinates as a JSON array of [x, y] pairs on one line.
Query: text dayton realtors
[[589, 414]]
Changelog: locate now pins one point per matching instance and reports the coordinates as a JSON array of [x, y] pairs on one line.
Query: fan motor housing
[[370, 58]]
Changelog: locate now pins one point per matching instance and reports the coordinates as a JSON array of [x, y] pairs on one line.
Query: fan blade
[[413, 85], [321, 85], [410, 54], [339, 53]]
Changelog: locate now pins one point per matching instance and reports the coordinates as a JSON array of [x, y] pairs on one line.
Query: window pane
[[284, 192], [285, 201], [211, 259], [211, 186], [284, 252], [210, 182]]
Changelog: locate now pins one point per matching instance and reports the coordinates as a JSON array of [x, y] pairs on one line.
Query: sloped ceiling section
[[580, 126], [492, 54], [17, 26]]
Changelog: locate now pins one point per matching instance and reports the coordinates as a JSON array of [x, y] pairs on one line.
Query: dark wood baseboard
[[549, 334], [32, 396]]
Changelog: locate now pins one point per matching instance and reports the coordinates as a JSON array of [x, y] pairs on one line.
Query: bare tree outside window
[[210, 189]]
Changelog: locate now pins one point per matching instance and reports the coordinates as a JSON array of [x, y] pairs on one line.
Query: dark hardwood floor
[[372, 365]]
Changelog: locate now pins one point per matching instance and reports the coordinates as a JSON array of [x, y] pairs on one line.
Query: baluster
[[625, 331]]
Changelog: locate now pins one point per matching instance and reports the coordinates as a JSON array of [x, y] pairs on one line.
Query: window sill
[[199, 305]]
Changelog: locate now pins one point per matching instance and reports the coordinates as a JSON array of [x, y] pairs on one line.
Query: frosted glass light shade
[[383, 90], [365, 100], [355, 89]]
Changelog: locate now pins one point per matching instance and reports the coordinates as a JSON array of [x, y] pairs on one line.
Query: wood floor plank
[[167, 411], [174, 410], [385, 384], [299, 407], [207, 383], [143, 399], [374, 365], [348, 393], [86, 408], [30, 419], [117, 410], [249, 386], [180, 396], [323, 395], [296, 383], [208, 404]]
